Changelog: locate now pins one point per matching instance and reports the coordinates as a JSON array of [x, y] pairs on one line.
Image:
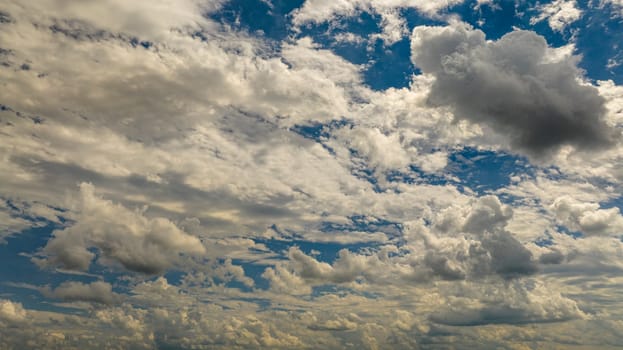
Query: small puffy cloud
[[384, 152], [121, 235], [487, 214], [96, 292], [284, 280], [587, 217], [508, 86], [559, 14], [11, 313], [338, 324]]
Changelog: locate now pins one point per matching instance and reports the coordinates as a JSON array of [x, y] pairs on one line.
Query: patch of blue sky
[[362, 223], [545, 241], [495, 19], [482, 171], [174, 277], [386, 66], [271, 19], [485, 171], [568, 232], [616, 202], [501, 17], [391, 66], [418, 176], [136, 42], [19, 276], [363, 24], [320, 132], [599, 39], [414, 18]]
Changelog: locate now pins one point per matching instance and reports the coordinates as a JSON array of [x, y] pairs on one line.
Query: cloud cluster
[[509, 86], [513, 304], [121, 235], [463, 243]]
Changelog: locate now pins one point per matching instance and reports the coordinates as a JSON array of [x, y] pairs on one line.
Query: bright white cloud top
[[236, 174]]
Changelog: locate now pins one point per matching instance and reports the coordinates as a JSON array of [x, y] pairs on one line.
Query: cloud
[[9, 222], [338, 324], [506, 85], [320, 11], [559, 14], [96, 292], [513, 303], [12, 313], [148, 20], [587, 218], [242, 147], [392, 23], [509, 258], [467, 243], [553, 256], [486, 218], [383, 152], [615, 5], [127, 237]]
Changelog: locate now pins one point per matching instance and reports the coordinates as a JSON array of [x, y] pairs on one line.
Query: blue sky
[[271, 174]]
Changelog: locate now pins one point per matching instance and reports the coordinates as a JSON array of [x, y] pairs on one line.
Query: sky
[[311, 174]]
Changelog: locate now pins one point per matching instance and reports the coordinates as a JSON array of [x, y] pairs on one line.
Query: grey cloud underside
[[476, 248], [123, 236], [96, 292], [510, 86], [499, 314]]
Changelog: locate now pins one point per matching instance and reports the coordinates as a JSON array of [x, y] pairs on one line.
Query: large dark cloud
[[511, 86]]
